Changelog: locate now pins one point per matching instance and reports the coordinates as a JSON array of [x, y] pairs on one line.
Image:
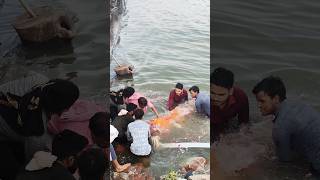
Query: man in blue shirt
[[296, 125], [202, 100]]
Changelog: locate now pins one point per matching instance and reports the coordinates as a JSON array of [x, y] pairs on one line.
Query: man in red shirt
[[177, 96], [228, 102]]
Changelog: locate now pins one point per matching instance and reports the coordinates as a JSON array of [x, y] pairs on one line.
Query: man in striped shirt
[[139, 133]]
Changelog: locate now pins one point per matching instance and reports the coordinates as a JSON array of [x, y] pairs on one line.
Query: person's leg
[[115, 163], [145, 160], [11, 160]]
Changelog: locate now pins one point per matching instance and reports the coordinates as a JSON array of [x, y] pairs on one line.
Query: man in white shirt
[[139, 133]]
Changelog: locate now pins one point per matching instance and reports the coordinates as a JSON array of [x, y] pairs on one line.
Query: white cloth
[[139, 132], [113, 133], [122, 112], [40, 160]]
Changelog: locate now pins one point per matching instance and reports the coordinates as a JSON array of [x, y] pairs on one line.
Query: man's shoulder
[[123, 117], [143, 124], [137, 123], [125, 120], [185, 91], [172, 93], [239, 93], [295, 107], [131, 124], [203, 96], [238, 90]]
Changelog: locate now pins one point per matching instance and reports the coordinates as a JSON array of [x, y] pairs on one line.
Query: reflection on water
[[168, 42], [256, 39]]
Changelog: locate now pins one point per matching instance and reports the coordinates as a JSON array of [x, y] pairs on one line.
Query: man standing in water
[[296, 126], [177, 96], [228, 101], [202, 102]]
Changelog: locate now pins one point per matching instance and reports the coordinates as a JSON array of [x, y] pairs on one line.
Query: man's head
[[178, 89], [269, 92], [99, 128], [143, 102], [59, 95], [92, 164], [221, 86], [194, 91], [138, 114], [131, 108], [127, 92], [66, 146]]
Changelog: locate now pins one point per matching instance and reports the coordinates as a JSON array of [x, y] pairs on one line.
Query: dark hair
[[195, 89], [222, 77], [98, 124], [59, 95], [127, 92], [138, 114], [143, 101], [179, 86], [272, 86], [68, 143], [131, 107], [92, 164]]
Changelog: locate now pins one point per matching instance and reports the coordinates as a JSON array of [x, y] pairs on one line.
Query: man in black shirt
[[121, 123]]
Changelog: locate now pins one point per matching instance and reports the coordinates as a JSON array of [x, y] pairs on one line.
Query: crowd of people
[[137, 134], [47, 132]]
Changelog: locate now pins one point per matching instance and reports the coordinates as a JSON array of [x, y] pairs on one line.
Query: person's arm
[[186, 95], [149, 131], [170, 103], [207, 106], [150, 105], [129, 137], [155, 111], [243, 115], [198, 104], [282, 140]]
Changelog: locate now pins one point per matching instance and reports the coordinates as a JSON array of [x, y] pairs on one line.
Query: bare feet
[[122, 168]]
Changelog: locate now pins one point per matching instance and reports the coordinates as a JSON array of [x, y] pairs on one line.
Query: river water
[[85, 57], [256, 39], [168, 42]]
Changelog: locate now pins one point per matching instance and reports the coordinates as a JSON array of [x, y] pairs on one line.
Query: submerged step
[[185, 145]]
